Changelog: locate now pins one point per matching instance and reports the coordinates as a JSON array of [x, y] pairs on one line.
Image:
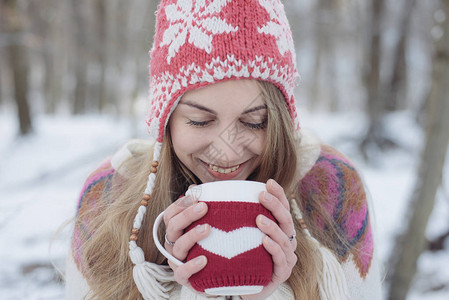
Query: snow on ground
[[40, 179], [41, 176]]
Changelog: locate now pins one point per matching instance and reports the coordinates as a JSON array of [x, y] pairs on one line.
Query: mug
[[237, 262]]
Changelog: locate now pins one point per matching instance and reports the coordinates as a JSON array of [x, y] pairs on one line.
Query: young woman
[[222, 75]]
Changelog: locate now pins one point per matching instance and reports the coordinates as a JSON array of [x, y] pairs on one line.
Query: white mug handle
[[161, 248]]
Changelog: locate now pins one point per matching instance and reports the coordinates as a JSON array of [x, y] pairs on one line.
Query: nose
[[229, 145]]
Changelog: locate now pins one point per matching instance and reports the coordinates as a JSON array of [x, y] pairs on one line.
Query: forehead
[[237, 94]]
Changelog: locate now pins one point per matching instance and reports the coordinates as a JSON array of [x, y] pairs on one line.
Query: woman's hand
[[277, 240], [177, 217]]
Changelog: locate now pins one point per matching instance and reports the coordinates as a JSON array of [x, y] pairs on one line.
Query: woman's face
[[219, 131]]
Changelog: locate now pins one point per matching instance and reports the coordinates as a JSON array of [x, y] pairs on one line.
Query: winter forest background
[[375, 85]]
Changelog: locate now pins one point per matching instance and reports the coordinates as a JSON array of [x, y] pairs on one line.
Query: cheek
[[185, 140], [258, 144]]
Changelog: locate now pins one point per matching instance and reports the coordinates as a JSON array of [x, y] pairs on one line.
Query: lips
[[224, 173], [223, 170]]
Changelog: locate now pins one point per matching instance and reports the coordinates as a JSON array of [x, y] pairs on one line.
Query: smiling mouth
[[222, 170]]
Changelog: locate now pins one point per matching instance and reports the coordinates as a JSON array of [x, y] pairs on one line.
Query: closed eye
[[261, 125], [197, 124]]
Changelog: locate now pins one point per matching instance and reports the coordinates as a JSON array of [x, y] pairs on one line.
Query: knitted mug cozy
[[237, 262]]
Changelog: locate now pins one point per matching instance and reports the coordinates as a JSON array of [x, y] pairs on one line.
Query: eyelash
[[256, 126], [249, 125], [197, 124]]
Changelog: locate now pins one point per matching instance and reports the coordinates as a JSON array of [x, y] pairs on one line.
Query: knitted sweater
[[323, 174]]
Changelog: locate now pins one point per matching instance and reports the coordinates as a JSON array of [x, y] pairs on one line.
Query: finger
[[183, 273], [272, 230], [278, 191], [281, 270], [280, 213], [178, 206], [177, 224], [186, 201], [172, 265], [189, 239]]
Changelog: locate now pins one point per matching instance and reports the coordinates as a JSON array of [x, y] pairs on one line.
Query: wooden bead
[[153, 169], [144, 202], [133, 237], [135, 231], [146, 197], [155, 163]]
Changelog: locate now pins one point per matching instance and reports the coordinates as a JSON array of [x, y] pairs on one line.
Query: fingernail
[[200, 260], [268, 240], [199, 207], [264, 220], [274, 185], [201, 228], [267, 197], [189, 200]]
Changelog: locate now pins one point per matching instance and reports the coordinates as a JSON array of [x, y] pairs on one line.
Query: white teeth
[[223, 171]]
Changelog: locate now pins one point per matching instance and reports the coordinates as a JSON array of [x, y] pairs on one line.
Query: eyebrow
[[198, 106], [203, 108], [256, 108]]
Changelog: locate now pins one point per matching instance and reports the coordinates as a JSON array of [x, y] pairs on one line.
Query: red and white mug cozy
[[237, 262]]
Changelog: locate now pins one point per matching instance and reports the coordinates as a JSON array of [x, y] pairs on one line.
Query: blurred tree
[[325, 57], [101, 47], [121, 42], [118, 50], [12, 20], [375, 138], [439, 242], [413, 241], [41, 15], [395, 89], [80, 55], [143, 34]]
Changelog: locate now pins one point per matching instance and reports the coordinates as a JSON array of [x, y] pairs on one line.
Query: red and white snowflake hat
[[200, 42]]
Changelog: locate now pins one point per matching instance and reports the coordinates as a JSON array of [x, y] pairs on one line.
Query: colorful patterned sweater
[[324, 175]]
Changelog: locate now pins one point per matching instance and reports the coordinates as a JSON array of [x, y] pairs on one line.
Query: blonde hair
[[107, 266]]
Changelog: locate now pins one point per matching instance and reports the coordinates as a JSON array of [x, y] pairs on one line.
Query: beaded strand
[[144, 202]]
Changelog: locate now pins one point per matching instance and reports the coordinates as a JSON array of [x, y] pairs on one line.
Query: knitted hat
[[198, 43]]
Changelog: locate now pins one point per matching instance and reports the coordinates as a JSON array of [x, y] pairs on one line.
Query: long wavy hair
[[107, 266]]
